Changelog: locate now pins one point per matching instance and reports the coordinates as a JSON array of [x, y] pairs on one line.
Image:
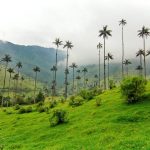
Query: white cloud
[[41, 21]]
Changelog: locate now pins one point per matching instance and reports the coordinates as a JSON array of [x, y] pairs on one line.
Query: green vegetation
[[112, 125]]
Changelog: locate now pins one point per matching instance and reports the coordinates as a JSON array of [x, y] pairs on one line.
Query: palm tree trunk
[[99, 70], [35, 86], [122, 53], [108, 72], [55, 73], [104, 67], [141, 72], [9, 85], [73, 81], [127, 70], [144, 57], [66, 76], [4, 82]]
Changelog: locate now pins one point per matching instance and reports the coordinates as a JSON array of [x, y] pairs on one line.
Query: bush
[[86, 94], [98, 101], [41, 109], [28, 109], [75, 101], [58, 116], [17, 107], [22, 110], [111, 84], [133, 89], [52, 103], [40, 97], [62, 99], [20, 100]]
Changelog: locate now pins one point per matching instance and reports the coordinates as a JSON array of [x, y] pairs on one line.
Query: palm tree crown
[[144, 32], [6, 58], [127, 62], [57, 42], [105, 32], [99, 46], [36, 69], [140, 52], [122, 22]]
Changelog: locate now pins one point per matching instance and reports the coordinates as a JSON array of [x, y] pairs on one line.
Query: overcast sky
[[39, 22]]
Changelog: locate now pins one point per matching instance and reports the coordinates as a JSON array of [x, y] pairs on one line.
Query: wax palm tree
[[126, 62], [99, 46], [144, 33], [78, 79], [122, 23], [105, 33], [108, 58], [11, 71], [78, 71], [36, 69], [67, 45], [15, 78], [58, 43], [140, 53], [139, 68], [73, 66], [22, 79], [84, 73], [19, 66], [96, 77], [6, 59]]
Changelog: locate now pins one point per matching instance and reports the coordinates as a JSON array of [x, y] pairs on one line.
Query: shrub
[[62, 99], [19, 100], [75, 101], [41, 109], [58, 116], [86, 94], [28, 109], [17, 107], [40, 97], [52, 103], [112, 84], [98, 101], [133, 89], [22, 110]]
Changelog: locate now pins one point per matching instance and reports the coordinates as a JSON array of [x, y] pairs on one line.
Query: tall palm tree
[[22, 79], [19, 66], [108, 58], [144, 33], [84, 73], [15, 78], [99, 46], [10, 70], [139, 68], [73, 66], [96, 77], [67, 45], [53, 69], [140, 53], [126, 62], [6, 59], [104, 33], [78, 79], [36, 69], [122, 22], [58, 43], [78, 71]]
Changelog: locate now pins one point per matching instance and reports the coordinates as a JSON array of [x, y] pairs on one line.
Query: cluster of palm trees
[[105, 33], [16, 77]]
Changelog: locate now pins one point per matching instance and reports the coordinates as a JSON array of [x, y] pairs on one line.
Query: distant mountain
[[31, 56]]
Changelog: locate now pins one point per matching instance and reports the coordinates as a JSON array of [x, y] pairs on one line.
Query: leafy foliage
[[133, 89], [75, 101], [58, 116]]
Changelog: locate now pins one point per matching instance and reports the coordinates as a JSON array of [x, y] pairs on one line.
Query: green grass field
[[113, 125]]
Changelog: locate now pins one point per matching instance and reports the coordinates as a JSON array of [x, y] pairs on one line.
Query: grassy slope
[[113, 125]]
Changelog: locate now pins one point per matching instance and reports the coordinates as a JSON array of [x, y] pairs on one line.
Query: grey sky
[[41, 21]]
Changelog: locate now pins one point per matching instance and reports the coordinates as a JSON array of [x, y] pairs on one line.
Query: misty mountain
[[31, 56]]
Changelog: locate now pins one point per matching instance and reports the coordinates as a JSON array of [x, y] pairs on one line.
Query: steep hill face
[[31, 56]]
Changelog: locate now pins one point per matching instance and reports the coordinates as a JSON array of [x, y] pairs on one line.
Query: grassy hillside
[[112, 126]]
